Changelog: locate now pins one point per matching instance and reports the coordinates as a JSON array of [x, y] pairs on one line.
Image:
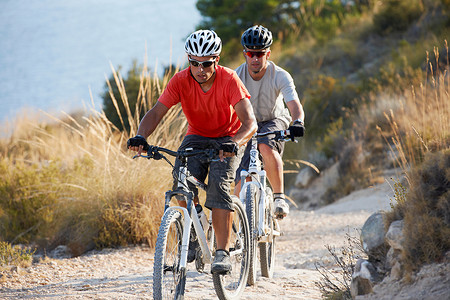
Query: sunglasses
[[204, 64], [257, 54]]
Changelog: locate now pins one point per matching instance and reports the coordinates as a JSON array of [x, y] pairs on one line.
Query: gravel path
[[126, 273]]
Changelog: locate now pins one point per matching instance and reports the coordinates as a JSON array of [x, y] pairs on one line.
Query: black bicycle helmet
[[256, 38]]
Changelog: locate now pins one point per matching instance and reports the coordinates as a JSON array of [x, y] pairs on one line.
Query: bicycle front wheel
[[251, 196], [232, 285], [168, 278], [267, 249]]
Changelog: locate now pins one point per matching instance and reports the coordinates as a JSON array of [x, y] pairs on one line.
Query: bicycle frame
[[190, 214], [257, 177]]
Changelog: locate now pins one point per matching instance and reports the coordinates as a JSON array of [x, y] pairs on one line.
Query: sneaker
[[221, 264], [281, 208], [193, 245]]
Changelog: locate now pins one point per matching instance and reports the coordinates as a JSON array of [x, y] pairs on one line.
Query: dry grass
[[71, 180], [418, 135], [420, 120]]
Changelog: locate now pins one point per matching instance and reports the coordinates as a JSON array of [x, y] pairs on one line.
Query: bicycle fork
[[261, 202], [188, 221], [190, 215]]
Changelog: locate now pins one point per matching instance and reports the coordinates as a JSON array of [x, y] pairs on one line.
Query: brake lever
[[151, 153]]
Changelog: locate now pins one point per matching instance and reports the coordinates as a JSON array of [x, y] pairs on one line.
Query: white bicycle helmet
[[203, 43]]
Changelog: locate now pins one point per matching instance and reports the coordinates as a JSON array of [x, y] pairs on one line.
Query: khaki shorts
[[220, 174]]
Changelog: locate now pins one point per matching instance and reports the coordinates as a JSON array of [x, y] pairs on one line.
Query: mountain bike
[[259, 207], [177, 224]]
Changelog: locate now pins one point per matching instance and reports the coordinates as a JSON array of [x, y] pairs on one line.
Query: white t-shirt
[[268, 93]]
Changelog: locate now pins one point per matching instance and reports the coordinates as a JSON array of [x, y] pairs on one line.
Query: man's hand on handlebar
[[137, 143], [227, 149], [297, 129]]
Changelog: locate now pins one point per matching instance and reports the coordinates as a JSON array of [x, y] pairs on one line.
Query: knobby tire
[[232, 285], [251, 210], [168, 278], [267, 249]]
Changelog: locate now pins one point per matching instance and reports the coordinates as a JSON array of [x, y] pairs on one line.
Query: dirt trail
[[127, 273]]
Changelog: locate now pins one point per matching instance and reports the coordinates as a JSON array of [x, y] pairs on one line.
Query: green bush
[[396, 15], [328, 99], [132, 83], [15, 255], [323, 29]]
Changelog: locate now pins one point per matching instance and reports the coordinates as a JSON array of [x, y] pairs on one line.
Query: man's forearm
[[151, 119], [245, 133], [296, 110], [245, 114]]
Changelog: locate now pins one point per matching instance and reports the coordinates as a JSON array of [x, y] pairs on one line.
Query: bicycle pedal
[[225, 273]]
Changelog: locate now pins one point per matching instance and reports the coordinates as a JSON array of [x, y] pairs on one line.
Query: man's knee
[[267, 151]]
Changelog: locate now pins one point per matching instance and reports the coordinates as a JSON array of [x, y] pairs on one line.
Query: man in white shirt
[[275, 103]]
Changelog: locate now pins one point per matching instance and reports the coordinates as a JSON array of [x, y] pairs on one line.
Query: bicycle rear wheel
[[267, 249], [232, 285], [251, 196], [168, 278]]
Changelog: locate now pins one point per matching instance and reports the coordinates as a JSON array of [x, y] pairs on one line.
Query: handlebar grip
[[295, 131]]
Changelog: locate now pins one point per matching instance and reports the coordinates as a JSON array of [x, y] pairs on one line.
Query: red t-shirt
[[209, 114]]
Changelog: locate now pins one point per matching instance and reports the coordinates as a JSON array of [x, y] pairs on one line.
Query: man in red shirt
[[217, 107]]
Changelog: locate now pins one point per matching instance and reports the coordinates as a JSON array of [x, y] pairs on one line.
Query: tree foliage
[[397, 15], [229, 18]]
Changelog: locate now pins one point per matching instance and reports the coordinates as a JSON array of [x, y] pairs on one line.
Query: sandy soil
[[127, 273]]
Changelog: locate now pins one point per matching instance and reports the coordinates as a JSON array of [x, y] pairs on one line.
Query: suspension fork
[[255, 169]]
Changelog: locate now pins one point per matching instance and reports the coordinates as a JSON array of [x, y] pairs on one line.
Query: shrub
[[335, 284], [15, 255], [27, 199], [427, 213], [327, 102], [354, 172], [398, 205], [396, 15]]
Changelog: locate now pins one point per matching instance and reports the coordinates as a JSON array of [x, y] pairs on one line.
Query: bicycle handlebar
[[280, 135], [154, 153]]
